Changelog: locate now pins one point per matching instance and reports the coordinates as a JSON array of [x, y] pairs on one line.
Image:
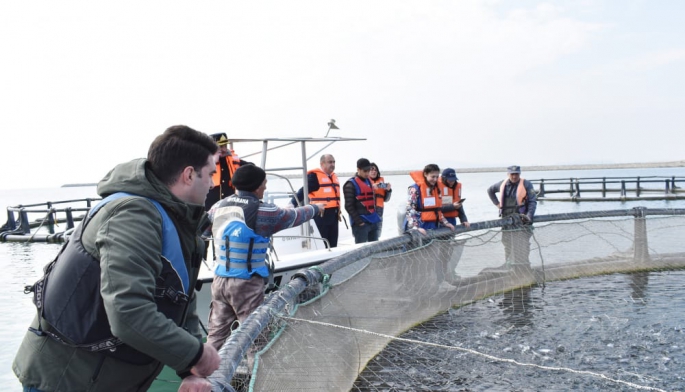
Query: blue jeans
[[366, 233]]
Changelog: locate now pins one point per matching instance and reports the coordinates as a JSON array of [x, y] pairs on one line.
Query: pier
[[40, 222], [610, 188]]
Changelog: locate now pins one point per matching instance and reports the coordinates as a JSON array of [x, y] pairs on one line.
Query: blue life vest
[[68, 295], [241, 253], [364, 194]]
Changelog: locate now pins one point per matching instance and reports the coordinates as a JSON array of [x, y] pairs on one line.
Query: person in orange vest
[[516, 197], [360, 203], [228, 162], [382, 191], [424, 204], [452, 203], [324, 187]]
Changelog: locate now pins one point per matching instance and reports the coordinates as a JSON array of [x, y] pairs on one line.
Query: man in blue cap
[[517, 198]]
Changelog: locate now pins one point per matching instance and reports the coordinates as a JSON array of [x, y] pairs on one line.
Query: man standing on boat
[[242, 226], [226, 166], [324, 187], [118, 302], [517, 199], [360, 203]]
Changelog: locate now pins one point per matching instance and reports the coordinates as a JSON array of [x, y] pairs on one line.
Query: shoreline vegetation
[[594, 166]]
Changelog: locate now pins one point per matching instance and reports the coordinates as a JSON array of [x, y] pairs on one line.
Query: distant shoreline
[[644, 165]]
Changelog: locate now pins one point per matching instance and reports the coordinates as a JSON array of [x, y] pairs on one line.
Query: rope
[[492, 357]]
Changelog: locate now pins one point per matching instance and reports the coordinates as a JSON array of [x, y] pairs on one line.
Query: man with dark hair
[[242, 226], [323, 187], [118, 302], [360, 203], [517, 197]]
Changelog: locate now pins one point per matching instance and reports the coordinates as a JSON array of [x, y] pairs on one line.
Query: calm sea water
[[24, 262]]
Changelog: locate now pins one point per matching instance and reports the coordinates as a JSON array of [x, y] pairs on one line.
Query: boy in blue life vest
[[242, 226]]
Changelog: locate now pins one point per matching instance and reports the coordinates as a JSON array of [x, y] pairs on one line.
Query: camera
[[382, 185]]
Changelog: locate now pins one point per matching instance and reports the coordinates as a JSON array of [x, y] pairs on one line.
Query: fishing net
[[395, 315]]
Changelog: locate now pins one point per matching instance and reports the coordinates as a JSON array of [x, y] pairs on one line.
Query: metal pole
[[641, 247]]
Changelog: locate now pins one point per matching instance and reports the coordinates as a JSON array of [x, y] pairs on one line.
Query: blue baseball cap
[[514, 169], [449, 174]]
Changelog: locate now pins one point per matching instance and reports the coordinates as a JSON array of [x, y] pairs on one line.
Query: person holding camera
[[516, 197], [452, 203], [382, 192]]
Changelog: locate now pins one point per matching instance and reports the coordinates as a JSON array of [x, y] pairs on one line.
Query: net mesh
[[371, 326]]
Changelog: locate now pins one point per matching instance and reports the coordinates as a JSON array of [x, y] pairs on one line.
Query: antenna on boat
[[331, 125]]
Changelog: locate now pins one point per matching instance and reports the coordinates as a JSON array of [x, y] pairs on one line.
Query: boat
[[291, 250]]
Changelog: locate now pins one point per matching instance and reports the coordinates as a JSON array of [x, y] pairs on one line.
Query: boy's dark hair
[[177, 148]]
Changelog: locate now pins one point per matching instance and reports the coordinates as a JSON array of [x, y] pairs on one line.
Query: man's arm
[[532, 199], [312, 186], [271, 219], [494, 188]]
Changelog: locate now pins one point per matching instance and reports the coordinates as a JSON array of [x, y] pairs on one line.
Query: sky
[[87, 85]]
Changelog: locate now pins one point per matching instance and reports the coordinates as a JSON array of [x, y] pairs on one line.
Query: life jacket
[[521, 197], [68, 295], [379, 193], [429, 201], [449, 196], [241, 252], [233, 163], [329, 189], [365, 196]]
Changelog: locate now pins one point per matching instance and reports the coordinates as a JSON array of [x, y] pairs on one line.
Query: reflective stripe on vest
[[379, 193], [449, 196], [329, 189], [233, 162]]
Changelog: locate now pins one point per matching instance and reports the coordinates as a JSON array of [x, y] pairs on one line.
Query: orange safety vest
[[329, 189], [379, 193], [430, 213], [233, 164], [521, 196], [449, 196]]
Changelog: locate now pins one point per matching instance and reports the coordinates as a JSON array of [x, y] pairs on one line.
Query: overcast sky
[[86, 85]]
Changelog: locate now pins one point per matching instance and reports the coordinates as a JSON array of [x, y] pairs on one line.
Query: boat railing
[[24, 218], [610, 188]]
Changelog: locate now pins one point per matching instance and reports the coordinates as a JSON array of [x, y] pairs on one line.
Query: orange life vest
[[449, 196], [521, 196], [379, 192], [427, 195], [329, 189], [233, 162]]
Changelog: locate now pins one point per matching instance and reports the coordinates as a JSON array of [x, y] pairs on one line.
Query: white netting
[[327, 343]]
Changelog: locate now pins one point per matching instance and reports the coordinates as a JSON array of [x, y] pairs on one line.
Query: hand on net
[[525, 219]]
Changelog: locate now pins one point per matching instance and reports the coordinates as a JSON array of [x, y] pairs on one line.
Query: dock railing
[[610, 188], [25, 220]]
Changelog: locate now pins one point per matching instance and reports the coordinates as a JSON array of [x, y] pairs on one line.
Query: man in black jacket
[[360, 203]]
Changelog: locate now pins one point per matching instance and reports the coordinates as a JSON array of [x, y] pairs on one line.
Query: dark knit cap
[[248, 178]]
